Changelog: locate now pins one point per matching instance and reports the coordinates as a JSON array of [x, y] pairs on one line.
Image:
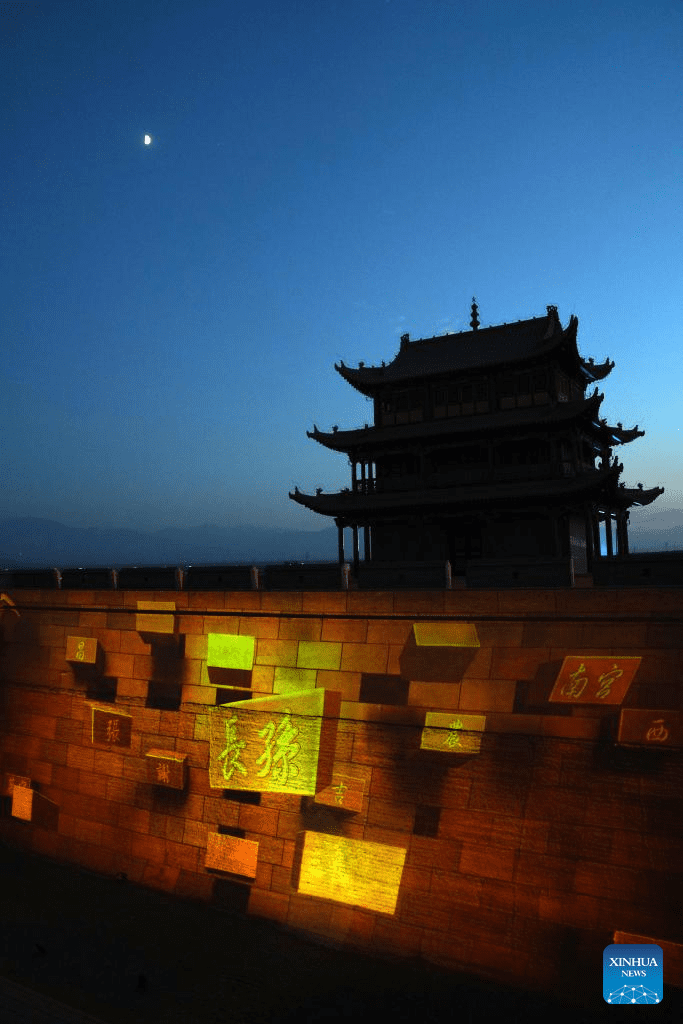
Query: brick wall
[[521, 860]]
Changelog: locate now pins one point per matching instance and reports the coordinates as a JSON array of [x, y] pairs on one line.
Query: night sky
[[324, 175]]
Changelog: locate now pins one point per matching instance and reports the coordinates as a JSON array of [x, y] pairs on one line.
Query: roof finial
[[474, 322]]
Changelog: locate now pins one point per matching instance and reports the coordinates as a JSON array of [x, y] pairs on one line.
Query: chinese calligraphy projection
[[110, 727], [166, 768], [281, 744], [351, 871], [594, 680], [641, 728], [459, 734]]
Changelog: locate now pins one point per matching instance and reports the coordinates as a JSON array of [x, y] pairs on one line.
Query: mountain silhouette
[[31, 542]]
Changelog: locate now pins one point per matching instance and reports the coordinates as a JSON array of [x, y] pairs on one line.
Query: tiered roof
[[527, 341]]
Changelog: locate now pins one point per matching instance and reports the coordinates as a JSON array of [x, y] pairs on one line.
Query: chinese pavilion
[[484, 445]]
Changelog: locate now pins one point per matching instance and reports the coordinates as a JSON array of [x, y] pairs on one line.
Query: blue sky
[[323, 177]]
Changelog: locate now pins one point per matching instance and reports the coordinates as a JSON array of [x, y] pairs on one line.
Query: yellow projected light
[[453, 733], [446, 634], [351, 871], [227, 650], [281, 744]]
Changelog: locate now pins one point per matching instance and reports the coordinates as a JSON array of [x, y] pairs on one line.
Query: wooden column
[[340, 541], [362, 476], [366, 542], [595, 523], [355, 548], [353, 475], [608, 532], [588, 526], [625, 529]]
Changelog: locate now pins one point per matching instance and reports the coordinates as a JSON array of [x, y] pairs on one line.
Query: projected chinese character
[[452, 737], [578, 681], [594, 680], [657, 731], [286, 749], [606, 679], [278, 744], [232, 750]]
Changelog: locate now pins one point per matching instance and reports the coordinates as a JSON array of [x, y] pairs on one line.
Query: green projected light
[[282, 744], [228, 650]]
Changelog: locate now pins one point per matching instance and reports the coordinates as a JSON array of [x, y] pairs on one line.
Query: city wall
[[441, 805]]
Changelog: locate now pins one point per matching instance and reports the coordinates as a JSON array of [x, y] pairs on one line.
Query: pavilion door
[[577, 543], [464, 544]]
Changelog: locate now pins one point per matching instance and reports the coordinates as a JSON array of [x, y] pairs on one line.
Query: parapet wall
[[447, 808]]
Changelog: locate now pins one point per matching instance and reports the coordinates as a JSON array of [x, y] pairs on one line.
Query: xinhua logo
[[632, 973]]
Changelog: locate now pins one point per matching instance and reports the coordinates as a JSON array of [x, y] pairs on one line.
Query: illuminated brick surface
[[553, 833]]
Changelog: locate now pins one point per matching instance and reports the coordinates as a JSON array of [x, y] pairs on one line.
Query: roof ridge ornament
[[474, 322]]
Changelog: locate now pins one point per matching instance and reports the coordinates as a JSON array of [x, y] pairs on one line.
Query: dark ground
[[129, 955]]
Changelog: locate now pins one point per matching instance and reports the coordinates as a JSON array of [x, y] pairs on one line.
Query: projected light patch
[[451, 732], [351, 871], [148, 140], [281, 744]]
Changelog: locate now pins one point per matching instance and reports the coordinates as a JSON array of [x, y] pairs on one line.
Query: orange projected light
[[650, 728], [281, 744], [351, 871], [155, 623], [452, 733], [594, 680], [234, 856], [81, 648]]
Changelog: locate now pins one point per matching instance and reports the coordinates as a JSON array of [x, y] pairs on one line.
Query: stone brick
[[258, 819], [80, 757], [276, 652], [271, 905], [364, 602], [148, 848], [391, 936], [261, 627], [388, 631], [346, 683], [344, 630], [487, 695], [396, 816], [133, 690], [419, 602], [195, 833], [424, 911], [197, 751], [132, 643], [300, 629], [319, 655], [324, 602], [487, 862], [108, 763], [363, 658], [98, 620], [516, 663], [294, 680], [281, 601], [603, 880]]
